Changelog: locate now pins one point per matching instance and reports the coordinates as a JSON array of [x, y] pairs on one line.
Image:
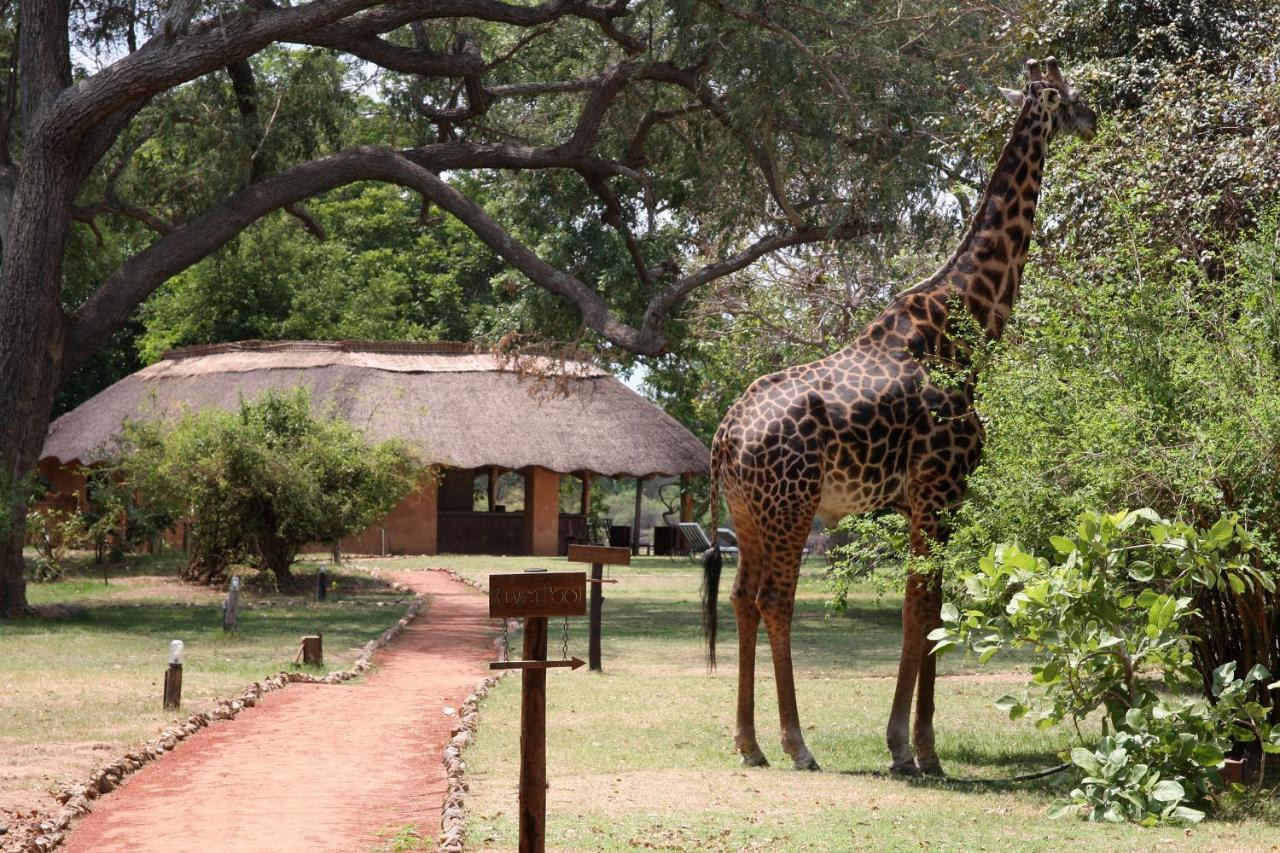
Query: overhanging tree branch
[[119, 295]]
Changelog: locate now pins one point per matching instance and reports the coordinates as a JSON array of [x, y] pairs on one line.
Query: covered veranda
[[516, 443]]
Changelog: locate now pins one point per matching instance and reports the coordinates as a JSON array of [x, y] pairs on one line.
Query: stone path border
[[453, 816]]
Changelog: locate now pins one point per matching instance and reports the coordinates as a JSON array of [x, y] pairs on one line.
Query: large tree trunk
[[277, 555], [32, 341]]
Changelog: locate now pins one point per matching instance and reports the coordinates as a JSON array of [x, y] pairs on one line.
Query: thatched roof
[[457, 405]]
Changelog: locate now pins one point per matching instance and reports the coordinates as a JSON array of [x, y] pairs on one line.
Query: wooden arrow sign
[[573, 663]]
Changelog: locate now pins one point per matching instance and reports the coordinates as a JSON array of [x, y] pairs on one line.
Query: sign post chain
[[597, 605], [533, 739]]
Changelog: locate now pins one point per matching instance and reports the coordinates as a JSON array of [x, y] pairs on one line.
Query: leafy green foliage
[[53, 532], [381, 275], [117, 520], [869, 550], [264, 481], [1164, 762], [1107, 609]]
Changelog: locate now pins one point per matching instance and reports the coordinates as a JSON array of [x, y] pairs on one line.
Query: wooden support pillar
[[533, 740], [494, 474], [686, 497], [584, 505], [635, 518], [541, 512]]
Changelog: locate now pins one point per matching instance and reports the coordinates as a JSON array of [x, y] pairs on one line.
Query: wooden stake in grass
[[173, 678], [597, 556], [322, 584], [231, 608], [312, 650]]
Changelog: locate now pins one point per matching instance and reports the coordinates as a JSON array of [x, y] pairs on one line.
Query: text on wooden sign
[[538, 594]]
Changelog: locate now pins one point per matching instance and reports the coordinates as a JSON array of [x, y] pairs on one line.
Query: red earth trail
[[315, 767]]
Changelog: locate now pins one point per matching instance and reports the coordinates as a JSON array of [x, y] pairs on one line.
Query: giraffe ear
[[1051, 98], [1013, 96]]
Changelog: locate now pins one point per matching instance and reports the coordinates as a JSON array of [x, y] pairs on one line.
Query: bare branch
[[245, 87], [90, 212], [178, 19], [635, 156], [690, 79], [615, 218], [407, 60], [299, 211]]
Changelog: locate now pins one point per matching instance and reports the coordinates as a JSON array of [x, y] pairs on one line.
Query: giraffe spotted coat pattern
[[887, 422]]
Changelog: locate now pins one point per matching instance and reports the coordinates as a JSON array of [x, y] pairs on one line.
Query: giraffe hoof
[[930, 768], [906, 770], [808, 763], [755, 759]]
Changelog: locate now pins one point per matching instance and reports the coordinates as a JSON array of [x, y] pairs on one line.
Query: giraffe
[[875, 426]]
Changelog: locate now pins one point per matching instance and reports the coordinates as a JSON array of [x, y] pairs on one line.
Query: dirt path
[[314, 767]]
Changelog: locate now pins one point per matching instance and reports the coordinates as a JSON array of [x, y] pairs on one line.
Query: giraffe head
[[1048, 90]]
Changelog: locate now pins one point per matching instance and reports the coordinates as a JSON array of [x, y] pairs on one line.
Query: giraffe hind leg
[[780, 573], [747, 616]]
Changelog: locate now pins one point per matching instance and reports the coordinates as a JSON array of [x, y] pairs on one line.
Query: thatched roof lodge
[[461, 408]]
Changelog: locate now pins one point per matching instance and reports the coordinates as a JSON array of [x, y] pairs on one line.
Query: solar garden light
[[173, 677], [322, 584]]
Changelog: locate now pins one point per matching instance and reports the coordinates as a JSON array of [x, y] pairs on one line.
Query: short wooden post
[[173, 678], [596, 617], [231, 608], [597, 556], [322, 584], [533, 740], [173, 687], [313, 650]]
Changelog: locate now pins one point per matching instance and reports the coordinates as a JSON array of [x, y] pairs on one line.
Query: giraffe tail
[[712, 562]]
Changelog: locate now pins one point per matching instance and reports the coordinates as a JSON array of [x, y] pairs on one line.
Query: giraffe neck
[[986, 268]]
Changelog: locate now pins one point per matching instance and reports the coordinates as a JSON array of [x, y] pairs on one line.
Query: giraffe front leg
[[777, 612], [898, 733], [922, 731], [744, 734]]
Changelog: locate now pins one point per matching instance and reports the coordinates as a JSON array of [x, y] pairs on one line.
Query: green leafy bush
[[53, 532], [262, 482], [1107, 615]]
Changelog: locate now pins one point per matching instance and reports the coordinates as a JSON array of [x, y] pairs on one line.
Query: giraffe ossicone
[[874, 426]]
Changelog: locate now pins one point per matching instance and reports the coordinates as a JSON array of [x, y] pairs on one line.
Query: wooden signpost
[[535, 596], [598, 556]]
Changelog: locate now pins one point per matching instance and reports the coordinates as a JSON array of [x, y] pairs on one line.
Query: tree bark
[[277, 556], [32, 344]]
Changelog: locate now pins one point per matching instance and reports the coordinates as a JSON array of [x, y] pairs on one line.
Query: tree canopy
[[618, 156]]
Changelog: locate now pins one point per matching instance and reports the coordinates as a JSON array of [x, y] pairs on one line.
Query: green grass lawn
[[79, 690], [642, 756]]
